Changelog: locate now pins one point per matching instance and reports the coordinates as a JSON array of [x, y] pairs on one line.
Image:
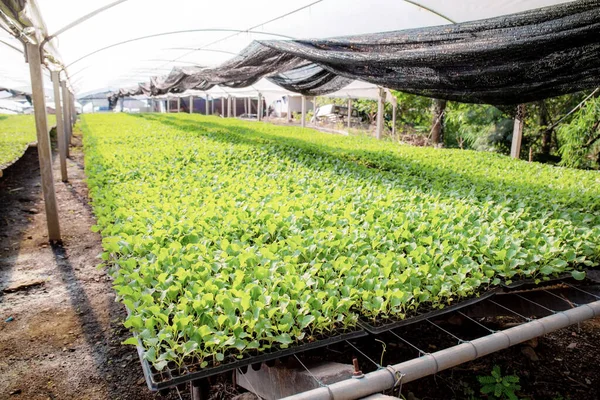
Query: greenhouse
[[308, 200]]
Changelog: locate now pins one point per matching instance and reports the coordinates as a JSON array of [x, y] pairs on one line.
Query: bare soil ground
[[562, 365], [61, 329], [62, 339]]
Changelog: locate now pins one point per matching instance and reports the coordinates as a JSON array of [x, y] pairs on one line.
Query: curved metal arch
[[201, 49], [11, 46], [170, 61], [414, 3], [172, 33], [84, 18]]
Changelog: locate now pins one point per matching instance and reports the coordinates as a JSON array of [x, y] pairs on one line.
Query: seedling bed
[[170, 377]]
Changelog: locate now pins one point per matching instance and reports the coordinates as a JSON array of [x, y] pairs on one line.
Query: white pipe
[[430, 364]]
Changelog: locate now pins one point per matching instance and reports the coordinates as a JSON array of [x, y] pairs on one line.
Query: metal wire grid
[[169, 377], [569, 294], [566, 298]]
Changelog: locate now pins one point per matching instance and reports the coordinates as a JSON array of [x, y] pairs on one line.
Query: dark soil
[[63, 338], [567, 368]]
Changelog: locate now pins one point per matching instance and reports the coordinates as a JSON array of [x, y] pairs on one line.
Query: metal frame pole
[[515, 149], [74, 113], [303, 118], [74, 118], [259, 107], [60, 126], [394, 109], [380, 110], [43, 136], [67, 113], [234, 100], [191, 104], [206, 110], [178, 104], [168, 105], [349, 111]]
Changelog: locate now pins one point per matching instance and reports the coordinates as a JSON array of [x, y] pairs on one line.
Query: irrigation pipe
[[430, 364]]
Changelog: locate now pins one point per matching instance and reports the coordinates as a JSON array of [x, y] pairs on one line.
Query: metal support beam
[[191, 104], [223, 106], [74, 113], [228, 106], [66, 102], [168, 105], [515, 149], [178, 104], [259, 108], [43, 138], [234, 100], [61, 136], [394, 110], [380, 111], [303, 117], [74, 118], [212, 104], [206, 105], [349, 111]]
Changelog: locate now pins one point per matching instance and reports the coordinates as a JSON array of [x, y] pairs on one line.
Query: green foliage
[[497, 386], [16, 133], [479, 127], [229, 237], [581, 137], [413, 114]]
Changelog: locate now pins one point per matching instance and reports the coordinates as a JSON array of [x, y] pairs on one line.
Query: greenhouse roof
[[131, 40]]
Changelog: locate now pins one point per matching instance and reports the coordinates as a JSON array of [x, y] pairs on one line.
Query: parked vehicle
[[333, 114]]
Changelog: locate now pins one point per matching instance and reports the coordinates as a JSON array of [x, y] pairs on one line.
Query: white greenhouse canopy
[[191, 32]]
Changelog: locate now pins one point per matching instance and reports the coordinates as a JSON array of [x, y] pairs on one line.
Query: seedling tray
[[420, 317], [159, 380], [530, 283]]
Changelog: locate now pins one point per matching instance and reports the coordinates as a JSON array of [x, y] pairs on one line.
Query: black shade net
[[505, 60]]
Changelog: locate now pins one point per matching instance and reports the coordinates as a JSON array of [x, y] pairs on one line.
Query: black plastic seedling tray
[[530, 283], [159, 380], [384, 327]]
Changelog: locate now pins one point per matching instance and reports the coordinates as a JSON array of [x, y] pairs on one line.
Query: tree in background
[[580, 137], [482, 127], [478, 127], [437, 130]]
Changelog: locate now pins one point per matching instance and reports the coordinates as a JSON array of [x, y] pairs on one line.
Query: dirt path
[[60, 327]]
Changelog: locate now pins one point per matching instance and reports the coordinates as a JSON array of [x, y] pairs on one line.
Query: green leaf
[[306, 320], [132, 340], [578, 275]]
